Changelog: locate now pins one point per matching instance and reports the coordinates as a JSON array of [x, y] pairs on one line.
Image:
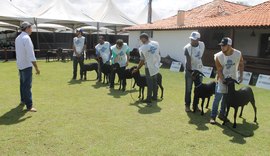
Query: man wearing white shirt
[[120, 55], [79, 45], [193, 52], [25, 58], [228, 61], [150, 57], [103, 51]]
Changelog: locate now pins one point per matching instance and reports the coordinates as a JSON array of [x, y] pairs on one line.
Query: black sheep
[[123, 75], [238, 98], [201, 90], [89, 67], [140, 80]]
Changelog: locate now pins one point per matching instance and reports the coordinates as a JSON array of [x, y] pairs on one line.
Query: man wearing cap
[[120, 55], [79, 45], [103, 51], [193, 52], [150, 57], [25, 58], [228, 61]]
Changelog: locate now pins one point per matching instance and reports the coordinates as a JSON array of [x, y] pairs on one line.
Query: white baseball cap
[[195, 35]]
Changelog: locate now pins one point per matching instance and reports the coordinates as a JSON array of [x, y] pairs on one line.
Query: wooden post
[[149, 12]]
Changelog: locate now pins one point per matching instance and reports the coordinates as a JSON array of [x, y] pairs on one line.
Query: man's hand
[[240, 80], [37, 71], [135, 70]]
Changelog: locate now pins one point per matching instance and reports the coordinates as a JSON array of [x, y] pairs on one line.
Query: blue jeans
[[152, 86], [25, 87], [76, 61], [188, 89], [216, 101]]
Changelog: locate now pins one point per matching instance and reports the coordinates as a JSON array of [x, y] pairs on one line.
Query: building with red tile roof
[[249, 27]]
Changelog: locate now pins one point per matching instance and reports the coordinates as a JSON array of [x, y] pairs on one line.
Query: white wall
[[247, 44], [171, 42], [134, 39]]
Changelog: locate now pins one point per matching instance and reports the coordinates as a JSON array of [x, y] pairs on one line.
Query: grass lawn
[[86, 118]]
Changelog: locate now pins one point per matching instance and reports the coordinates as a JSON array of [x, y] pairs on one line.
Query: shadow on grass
[[199, 120], [242, 131], [144, 109], [118, 93], [74, 82], [13, 116], [98, 85]]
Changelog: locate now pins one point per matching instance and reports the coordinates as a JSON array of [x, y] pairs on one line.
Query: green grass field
[[86, 118]]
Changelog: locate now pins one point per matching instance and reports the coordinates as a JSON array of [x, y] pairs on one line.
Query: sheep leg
[[97, 74], [120, 85], [208, 99], [140, 89], [235, 114], [227, 113], [103, 78], [202, 113], [162, 89], [142, 93], [134, 84], [195, 102], [255, 111], [241, 113]]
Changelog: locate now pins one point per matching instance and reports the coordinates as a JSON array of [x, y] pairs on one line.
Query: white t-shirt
[[78, 43], [195, 54], [120, 55], [25, 54], [230, 66], [103, 50], [150, 54]]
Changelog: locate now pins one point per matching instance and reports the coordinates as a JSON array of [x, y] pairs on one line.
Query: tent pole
[[38, 46], [97, 30]]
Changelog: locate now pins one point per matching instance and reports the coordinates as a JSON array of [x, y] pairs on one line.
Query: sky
[[164, 8]]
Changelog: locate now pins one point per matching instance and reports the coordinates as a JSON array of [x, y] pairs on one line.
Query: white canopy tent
[[11, 14], [111, 16], [63, 13]]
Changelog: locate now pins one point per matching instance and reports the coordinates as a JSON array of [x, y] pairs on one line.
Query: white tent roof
[[11, 14], [143, 16], [62, 12], [110, 14]]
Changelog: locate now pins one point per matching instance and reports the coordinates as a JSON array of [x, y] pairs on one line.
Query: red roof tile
[[218, 13]]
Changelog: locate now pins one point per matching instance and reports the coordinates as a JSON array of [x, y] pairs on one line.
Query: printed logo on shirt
[[77, 42], [198, 55], [229, 64], [121, 53], [103, 49], [152, 49]]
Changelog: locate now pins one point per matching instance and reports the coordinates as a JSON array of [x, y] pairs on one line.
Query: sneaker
[[187, 109], [32, 110], [213, 121], [223, 118]]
